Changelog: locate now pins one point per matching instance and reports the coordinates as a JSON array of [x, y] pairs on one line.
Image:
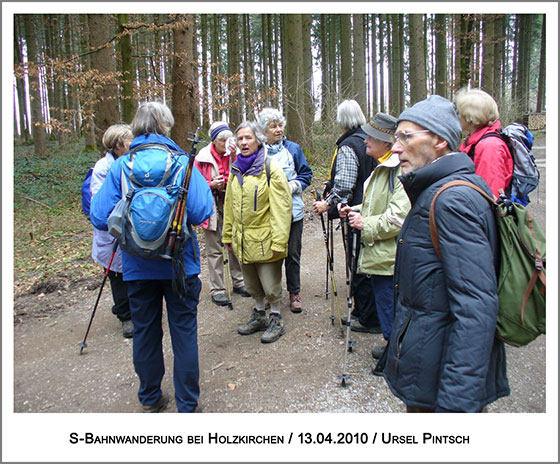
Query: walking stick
[[330, 267], [350, 258], [83, 344], [225, 260], [182, 200]]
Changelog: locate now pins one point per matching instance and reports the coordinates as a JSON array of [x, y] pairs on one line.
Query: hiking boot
[[242, 291], [221, 299], [356, 326], [295, 303], [274, 330], [258, 322], [375, 371], [378, 351], [127, 329], [158, 406]]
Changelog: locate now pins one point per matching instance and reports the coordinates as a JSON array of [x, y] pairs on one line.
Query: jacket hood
[[155, 138], [415, 182]]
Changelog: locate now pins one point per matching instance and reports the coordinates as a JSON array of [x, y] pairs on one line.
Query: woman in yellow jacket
[[257, 219]]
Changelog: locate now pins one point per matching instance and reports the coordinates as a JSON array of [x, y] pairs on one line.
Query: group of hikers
[[437, 316]]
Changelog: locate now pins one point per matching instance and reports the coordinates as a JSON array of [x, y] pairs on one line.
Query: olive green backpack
[[522, 276]]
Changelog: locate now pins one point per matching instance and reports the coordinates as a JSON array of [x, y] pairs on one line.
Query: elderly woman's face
[[274, 132], [220, 145], [246, 141]]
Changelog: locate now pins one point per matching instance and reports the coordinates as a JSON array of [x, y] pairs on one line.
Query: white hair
[[349, 115], [268, 115], [256, 128]]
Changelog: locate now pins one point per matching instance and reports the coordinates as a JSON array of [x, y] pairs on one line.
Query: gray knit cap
[[438, 115]]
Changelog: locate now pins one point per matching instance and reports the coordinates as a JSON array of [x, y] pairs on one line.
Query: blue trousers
[[146, 306], [377, 292]]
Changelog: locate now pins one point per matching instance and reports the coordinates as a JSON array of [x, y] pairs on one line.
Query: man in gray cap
[[442, 354], [379, 219]]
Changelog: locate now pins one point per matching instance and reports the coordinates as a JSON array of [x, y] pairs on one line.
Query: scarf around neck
[[245, 162], [277, 147]]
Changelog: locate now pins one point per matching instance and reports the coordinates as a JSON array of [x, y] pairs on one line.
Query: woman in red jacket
[[479, 116]]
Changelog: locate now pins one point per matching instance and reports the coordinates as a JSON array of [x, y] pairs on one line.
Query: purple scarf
[[245, 162]]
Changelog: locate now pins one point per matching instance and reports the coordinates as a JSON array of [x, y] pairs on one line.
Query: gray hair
[[152, 118], [256, 128], [349, 115], [223, 135], [116, 135], [267, 115]]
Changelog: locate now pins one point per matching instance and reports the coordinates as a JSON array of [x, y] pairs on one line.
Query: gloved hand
[[295, 186]]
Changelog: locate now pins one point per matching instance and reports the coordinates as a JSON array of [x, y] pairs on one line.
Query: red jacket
[[492, 159]]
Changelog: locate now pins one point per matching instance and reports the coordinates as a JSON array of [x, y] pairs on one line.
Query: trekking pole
[[330, 267], [348, 344], [182, 200], [83, 344], [225, 261]]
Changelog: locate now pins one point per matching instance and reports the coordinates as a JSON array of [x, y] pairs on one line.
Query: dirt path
[[299, 373]]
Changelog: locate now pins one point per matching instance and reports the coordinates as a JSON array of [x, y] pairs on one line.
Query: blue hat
[[214, 133], [438, 115]]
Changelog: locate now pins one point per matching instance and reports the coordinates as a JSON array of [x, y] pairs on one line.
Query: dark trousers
[[119, 289], [146, 301], [381, 292], [365, 308], [292, 261]]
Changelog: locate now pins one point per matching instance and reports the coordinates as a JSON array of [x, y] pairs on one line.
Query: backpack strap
[[433, 226], [267, 169]]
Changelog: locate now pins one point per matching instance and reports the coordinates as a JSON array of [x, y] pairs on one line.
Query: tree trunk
[[205, 91], [105, 81], [359, 71], [127, 69], [184, 98], [382, 63], [325, 110], [23, 120], [215, 72], [525, 46], [395, 61], [308, 100], [541, 102], [346, 71], [417, 59], [441, 56], [374, 94], [292, 62], [400, 61], [37, 130], [499, 39], [488, 54], [234, 70]]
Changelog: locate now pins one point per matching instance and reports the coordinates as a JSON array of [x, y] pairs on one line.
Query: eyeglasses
[[402, 136]]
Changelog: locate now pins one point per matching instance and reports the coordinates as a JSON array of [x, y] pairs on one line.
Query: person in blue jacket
[[290, 157], [149, 281]]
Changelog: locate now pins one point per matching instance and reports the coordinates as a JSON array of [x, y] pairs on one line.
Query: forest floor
[[238, 374]]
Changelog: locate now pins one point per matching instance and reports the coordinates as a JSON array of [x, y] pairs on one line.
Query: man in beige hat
[[379, 219]]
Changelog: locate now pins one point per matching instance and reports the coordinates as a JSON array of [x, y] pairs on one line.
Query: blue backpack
[[86, 193], [151, 179]]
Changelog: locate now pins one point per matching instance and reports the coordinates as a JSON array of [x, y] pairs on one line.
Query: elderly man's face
[[418, 151], [376, 148]]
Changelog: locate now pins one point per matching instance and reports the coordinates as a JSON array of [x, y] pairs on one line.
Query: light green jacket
[[384, 213], [258, 217]]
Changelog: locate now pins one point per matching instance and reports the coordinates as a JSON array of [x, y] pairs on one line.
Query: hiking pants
[[146, 301], [216, 264], [264, 280], [292, 261], [120, 308]]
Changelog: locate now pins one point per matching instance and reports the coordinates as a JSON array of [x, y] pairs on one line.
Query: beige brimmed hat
[[382, 127]]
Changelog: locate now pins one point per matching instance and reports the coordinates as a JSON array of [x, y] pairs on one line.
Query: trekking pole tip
[[82, 346]]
